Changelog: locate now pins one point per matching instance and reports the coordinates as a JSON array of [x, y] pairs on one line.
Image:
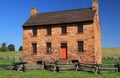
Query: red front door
[[63, 53], [63, 50]]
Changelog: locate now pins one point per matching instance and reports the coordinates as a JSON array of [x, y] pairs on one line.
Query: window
[[34, 30], [34, 46], [64, 29], [80, 46], [48, 30], [80, 28], [63, 45], [48, 47]]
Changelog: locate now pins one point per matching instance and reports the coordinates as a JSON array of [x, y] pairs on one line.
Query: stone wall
[[71, 38], [97, 41]]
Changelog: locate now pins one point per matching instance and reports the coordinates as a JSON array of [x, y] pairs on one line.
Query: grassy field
[[110, 52], [49, 74], [66, 74], [11, 54]]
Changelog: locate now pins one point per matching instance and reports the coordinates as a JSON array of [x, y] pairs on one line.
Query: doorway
[[63, 50]]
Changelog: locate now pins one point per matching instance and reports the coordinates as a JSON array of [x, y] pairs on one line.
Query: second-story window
[[80, 28], [34, 31], [64, 29], [49, 30]]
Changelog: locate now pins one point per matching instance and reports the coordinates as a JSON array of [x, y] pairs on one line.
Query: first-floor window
[[34, 46], [80, 46], [48, 47]]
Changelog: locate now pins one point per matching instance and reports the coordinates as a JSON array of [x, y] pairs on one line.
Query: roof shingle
[[68, 16]]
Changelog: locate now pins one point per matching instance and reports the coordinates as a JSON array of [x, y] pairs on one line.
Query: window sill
[[80, 33], [34, 54], [49, 35], [63, 58], [48, 53], [34, 36], [63, 34], [80, 52]]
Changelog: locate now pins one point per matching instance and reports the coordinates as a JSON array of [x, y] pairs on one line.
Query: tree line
[[10, 47]]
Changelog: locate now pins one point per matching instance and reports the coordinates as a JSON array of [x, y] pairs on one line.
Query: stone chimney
[[33, 11], [95, 5]]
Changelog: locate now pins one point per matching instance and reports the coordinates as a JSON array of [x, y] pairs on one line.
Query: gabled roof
[[68, 16]]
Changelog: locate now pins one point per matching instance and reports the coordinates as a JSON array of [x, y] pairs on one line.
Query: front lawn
[[50, 74]]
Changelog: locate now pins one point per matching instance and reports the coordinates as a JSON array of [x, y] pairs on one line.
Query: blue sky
[[13, 13]]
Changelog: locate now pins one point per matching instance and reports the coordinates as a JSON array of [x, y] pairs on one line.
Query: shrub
[[4, 48], [21, 48], [11, 47]]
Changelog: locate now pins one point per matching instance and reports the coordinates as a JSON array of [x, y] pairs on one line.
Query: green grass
[[109, 61], [7, 62], [49, 74], [11, 54]]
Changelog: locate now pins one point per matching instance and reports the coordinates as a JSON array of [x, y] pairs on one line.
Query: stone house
[[63, 36]]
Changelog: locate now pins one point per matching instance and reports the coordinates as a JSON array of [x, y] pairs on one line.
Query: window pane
[[64, 29], [80, 46], [48, 47], [34, 45], [34, 30], [80, 28], [48, 30]]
